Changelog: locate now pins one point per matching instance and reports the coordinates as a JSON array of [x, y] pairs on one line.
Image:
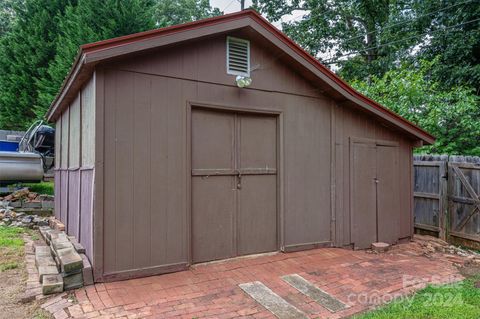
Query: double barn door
[[234, 184], [374, 193]]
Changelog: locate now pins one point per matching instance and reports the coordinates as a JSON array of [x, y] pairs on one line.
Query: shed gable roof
[[93, 53]]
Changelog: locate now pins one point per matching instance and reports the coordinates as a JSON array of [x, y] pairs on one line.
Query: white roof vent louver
[[238, 56]]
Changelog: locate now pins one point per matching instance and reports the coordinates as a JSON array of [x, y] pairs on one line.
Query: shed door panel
[[257, 142], [212, 140], [257, 207], [234, 184], [364, 215], [212, 218], [388, 194], [213, 202]]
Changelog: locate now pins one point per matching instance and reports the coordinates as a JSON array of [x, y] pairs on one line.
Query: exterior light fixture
[[243, 81]]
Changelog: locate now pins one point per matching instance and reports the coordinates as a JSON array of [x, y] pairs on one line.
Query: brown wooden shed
[[163, 161]]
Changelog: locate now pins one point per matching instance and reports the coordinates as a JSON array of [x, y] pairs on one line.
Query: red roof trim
[[119, 41], [126, 39], [293, 45]]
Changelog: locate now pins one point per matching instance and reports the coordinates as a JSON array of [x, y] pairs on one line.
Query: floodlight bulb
[[243, 81]]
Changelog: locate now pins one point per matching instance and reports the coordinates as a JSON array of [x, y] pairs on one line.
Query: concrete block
[[73, 281], [78, 247], [46, 270], [87, 271], [44, 261], [32, 204], [52, 232], [42, 251], [61, 244], [60, 235], [15, 204], [380, 247], [71, 262], [52, 284], [65, 251], [48, 204], [43, 231]]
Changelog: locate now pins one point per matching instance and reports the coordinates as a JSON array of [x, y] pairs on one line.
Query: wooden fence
[[447, 198]]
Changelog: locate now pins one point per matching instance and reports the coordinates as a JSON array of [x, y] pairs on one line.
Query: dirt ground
[[12, 286]]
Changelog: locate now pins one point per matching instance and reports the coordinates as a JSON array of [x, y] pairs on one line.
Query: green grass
[[455, 301], [11, 247], [40, 188], [10, 237], [8, 266]]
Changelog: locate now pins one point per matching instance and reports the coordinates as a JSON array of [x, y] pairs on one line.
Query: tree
[[458, 48], [353, 31], [25, 52], [7, 14], [86, 22], [452, 115], [363, 38], [171, 12], [44, 35]]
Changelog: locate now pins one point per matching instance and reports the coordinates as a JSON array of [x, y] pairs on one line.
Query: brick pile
[[62, 264], [23, 208]]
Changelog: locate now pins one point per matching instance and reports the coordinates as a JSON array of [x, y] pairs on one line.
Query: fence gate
[[447, 197], [463, 201], [429, 191]]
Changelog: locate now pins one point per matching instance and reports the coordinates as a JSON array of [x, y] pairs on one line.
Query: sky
[[229, 6]]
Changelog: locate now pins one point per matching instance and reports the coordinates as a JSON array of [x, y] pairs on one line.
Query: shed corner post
[[98, 189], [333, 181]]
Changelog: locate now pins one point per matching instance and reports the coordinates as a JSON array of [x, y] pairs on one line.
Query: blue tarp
[[8, 146]]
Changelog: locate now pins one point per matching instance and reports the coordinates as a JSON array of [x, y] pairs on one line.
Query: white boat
[[34, 158]]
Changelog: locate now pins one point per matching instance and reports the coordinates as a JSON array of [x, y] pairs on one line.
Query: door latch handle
[[376, 180], [239, 181]]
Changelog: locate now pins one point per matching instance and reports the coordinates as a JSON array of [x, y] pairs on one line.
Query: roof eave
[[93, 53]]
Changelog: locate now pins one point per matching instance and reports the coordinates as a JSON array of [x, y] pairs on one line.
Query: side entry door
[[374, 191]]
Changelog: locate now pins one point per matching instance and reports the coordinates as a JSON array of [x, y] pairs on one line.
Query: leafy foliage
[[383, 48], [87, 22], [359, 30], [171, 12], [452, 115], [458, 48], [369, 37], [7, 15], [42, 39], [25, 53]]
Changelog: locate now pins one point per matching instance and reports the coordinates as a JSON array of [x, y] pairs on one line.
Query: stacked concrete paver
[[62, 265]]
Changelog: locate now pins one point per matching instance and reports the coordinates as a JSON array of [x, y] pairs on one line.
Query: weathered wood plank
[[426, 195], [427, 227]]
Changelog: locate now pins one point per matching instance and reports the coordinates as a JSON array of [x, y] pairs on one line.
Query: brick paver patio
[[357, 278]]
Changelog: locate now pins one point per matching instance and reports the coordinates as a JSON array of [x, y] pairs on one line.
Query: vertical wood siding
[[86, 211], [74, 136], [354, 124], [73, 219], [145, 212], [57, 173], [64, 196], [74, 174], [146, 159], [58, 193], [88, 124], [65, 139]]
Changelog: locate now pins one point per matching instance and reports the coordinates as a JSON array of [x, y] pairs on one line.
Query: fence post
[[444, 182]]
